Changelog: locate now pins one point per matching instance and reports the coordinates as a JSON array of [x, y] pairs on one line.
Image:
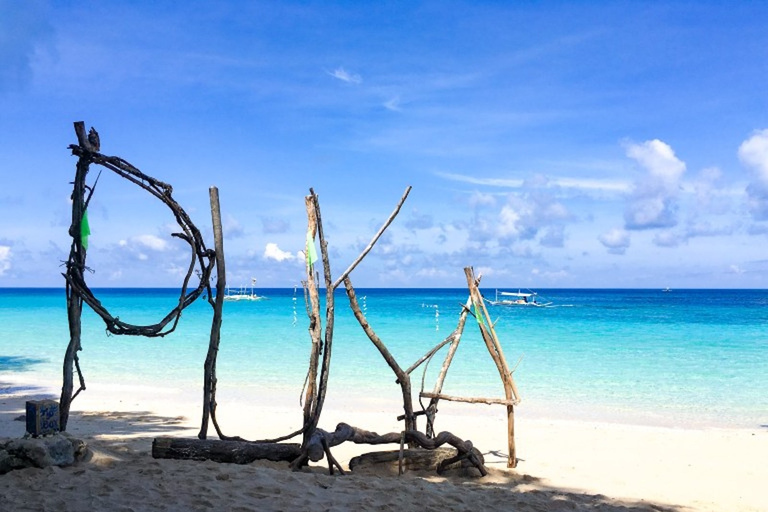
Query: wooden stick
[[374, 240], [469, 400], [494, 348]]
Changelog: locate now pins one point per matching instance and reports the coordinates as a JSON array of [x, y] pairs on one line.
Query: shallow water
[[684, 358]]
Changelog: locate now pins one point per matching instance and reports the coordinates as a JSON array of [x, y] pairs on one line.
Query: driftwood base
[[321, 442], [237, 452], [413, 460]]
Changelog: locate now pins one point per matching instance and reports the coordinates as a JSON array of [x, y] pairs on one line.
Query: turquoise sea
[[688, 358]]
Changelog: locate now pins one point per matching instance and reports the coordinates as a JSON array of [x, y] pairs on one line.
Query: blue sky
[[549, 144]]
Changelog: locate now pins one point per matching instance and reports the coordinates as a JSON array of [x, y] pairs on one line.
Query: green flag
[[311, 252], [85, 230], [479, 315]]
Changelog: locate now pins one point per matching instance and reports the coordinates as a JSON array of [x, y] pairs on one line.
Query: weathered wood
[[345, 432], [494, 348], [414, 460], [469, 400], [209, 368], [237, 452]]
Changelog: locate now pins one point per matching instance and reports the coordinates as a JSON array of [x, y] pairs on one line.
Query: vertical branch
[[494, 348], [329, 316], [209, 378], [313, 312], [75, 269]]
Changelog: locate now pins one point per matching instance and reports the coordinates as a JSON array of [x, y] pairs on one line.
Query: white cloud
[[345, 76], [152, 242], [393, 104], [273, 252], [753, 153], [616, 241], [5, 259], [582, 184], [658, 158], [653, 203], [480, 199], [531, 212]]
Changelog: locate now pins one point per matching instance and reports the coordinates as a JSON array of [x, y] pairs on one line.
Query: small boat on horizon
[[517, 298], [243, 294]]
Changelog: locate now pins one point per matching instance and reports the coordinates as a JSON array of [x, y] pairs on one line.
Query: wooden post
[[209, 384], [494, 348]]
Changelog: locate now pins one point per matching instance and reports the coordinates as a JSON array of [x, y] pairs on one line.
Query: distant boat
[[243, 293], [517, 298], [666, 290]]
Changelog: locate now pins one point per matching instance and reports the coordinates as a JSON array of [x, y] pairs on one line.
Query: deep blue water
[[687, 357]]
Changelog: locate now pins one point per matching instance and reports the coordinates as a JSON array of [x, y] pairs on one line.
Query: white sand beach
[[564, 465]]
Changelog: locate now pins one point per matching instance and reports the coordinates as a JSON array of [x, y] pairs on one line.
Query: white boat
[[517, 298], [243, 293]]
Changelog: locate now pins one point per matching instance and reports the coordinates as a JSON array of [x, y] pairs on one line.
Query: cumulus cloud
[[553, 236], [753, 153], [616, 241], [5, 259], [480, 199], [273, 252], [534, 210], [653, 202], [345, 76], [151, 242]]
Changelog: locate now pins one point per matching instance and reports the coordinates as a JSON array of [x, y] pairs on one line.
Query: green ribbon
[[85, 230], [311, 252]]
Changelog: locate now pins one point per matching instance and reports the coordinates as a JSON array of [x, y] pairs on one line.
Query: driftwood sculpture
[[316, 442]]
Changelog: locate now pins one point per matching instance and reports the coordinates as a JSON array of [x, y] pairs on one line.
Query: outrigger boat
[[517, 299], [243, 294]]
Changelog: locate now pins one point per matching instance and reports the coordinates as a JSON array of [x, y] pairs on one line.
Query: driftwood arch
[[77, 290]]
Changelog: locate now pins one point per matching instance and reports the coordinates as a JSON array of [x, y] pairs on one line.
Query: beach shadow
[[520, 488], [13, 406], [18, 364], [125, 424]]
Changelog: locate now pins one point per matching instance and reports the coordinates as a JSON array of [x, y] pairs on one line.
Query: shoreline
[[704, 469]]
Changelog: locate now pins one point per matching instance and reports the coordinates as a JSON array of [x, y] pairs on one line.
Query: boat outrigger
[[517, 298], [243, 294]]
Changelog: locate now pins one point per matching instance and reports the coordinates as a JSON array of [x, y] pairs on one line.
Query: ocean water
[[683, 358]]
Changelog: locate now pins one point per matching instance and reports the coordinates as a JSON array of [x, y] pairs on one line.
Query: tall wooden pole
[[209, 384], [494, 348]]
